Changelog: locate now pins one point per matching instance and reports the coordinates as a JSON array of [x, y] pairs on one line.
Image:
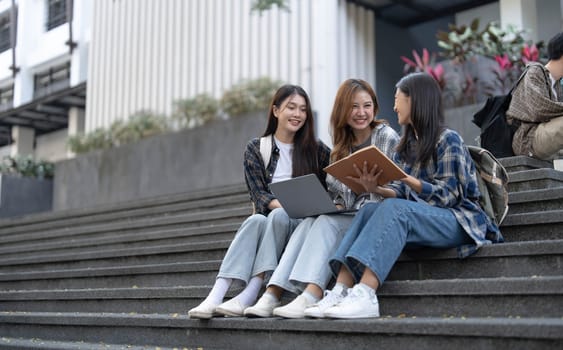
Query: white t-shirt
[[284, 168]]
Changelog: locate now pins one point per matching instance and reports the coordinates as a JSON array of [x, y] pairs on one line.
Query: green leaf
[[474, 24]]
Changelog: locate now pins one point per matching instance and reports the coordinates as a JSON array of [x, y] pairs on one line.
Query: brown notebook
[[344, 167]]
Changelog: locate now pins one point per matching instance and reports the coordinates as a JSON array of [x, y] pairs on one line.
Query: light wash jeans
[[305, 259], [380, 231], [257, 246]]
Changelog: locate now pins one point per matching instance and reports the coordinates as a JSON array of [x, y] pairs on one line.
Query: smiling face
[[291, 115], [363, 112], [402, 107]]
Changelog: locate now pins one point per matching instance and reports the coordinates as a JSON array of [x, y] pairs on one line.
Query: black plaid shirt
[[258, 178]]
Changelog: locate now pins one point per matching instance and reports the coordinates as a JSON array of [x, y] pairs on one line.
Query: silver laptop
[[305, 196]]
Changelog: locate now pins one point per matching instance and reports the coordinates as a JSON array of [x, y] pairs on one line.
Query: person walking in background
[[261, 238], [537, 106], [303, 266], [436, 205]]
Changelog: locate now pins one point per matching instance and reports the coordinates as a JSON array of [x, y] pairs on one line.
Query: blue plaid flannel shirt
[[449, 181]]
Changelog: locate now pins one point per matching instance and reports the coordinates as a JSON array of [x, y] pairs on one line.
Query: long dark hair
[[342, 134], [427, 117], [305, 146]]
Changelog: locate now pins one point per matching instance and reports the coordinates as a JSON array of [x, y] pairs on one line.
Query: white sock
[[311, 299], [270, 296], [249, 294], [366, 287], [340, 289], [219, 290]]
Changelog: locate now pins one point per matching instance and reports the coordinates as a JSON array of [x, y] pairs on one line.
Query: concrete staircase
[[123, 277]]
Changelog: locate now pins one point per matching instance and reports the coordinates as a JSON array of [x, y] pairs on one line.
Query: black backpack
[[496, 133]]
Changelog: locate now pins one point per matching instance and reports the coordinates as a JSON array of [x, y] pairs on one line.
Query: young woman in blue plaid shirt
[[436, 205], [261, 238]]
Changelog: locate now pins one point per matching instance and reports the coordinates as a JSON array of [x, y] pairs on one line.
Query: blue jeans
[[257, 245], [380, 231], [305, 259]]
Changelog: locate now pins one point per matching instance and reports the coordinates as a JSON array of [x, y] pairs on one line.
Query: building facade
[[71, 67]]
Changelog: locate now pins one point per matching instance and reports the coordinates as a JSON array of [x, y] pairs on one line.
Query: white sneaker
[[264, 307], [232, 307], [330, 299], [295, 309], [359, 303], [205, 310]]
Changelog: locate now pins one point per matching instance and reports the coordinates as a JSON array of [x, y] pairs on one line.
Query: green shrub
[[97, 139], [264, 5], [26, 166], [196, 111], [249, 96], [138, 126]]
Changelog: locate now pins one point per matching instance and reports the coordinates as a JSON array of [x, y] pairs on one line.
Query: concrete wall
[[52, 146], [460, 119], [24, 195], [179, 162]]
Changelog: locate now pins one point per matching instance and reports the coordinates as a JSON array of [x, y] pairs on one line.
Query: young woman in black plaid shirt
[[261, 238]]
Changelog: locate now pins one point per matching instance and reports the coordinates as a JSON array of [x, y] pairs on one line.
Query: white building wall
[[145, 54], [38, 49], [6, 56], [541, 18], [486, 13]]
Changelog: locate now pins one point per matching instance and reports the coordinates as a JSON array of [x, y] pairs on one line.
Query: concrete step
[[534, 180], [224, 197], [172, 274], [515, 259], [520, 163], [535, 200], [146, 254], [42, 344], [176, 330], [135, 227], [544, 225], [532, 296], [133, 240], [521, 297], [501, 260], [522, 223]]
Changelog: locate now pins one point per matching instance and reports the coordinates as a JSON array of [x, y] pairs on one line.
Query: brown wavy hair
[[342, 134]]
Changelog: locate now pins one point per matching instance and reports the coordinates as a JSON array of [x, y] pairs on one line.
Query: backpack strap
[[266, 153], [520, 78], [266, 149]]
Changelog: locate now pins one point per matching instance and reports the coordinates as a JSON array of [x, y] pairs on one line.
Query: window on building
[[6, 97], [51, 80], [5, 43], [56, 13]]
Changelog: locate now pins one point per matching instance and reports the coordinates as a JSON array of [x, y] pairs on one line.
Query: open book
[[344, 167]]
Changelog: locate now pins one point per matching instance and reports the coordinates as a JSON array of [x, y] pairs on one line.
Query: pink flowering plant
[[509, 68], [426, 63], [476, 64]]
